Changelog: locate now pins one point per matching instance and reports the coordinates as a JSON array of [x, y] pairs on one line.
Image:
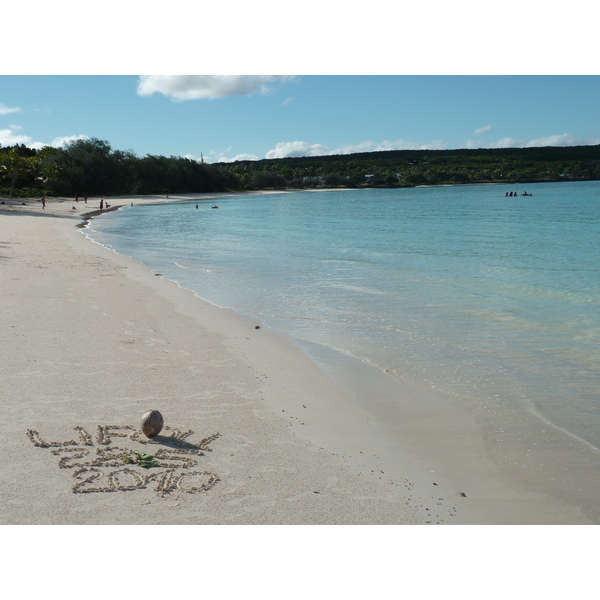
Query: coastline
[[297, 417], [95, 339]]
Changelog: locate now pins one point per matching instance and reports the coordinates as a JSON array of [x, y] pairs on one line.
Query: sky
[[227, 118], [366, 78]]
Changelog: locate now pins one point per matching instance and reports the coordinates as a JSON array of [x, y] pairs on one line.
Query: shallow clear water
[[481, 295]]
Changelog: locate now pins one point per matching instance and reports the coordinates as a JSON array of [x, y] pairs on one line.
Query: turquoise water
[[481, 295]]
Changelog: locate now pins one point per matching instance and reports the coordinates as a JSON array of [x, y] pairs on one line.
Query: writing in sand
[[101, 466]]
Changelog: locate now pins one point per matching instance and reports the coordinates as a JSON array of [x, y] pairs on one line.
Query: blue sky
[[362, 78], [253, 117]]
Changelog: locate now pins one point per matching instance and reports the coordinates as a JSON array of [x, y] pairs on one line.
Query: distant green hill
[[92, 167], [414, 167]]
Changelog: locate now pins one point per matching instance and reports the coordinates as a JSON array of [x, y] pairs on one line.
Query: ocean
[[461, 288]]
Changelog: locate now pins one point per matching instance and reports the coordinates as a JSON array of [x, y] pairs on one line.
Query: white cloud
[[299, 148], [435, 145], [553, 140], [507, 142], [198, 87], [396, 145], [354, 148], [296, 149], [6, 110], [564, 139], [370, 146], [223, 159], [64, 140], [482, 130], [9, 138], [287, 149]]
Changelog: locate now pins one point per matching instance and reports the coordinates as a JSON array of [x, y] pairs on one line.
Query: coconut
[[152, 423]]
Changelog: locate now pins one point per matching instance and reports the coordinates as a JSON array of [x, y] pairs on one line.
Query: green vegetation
[[434, 167], [92, 167]]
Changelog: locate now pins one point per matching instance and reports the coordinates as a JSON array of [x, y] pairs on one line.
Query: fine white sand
[[256, 432]]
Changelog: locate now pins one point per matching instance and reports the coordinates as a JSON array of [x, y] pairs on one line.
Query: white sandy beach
[[256, 432]]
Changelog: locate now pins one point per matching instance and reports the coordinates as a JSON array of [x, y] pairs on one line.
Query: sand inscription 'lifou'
[[102, 466]]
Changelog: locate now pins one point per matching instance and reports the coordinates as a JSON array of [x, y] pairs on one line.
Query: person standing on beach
[[44, 201], [102, 204]]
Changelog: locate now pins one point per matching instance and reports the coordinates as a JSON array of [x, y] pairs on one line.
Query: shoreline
[[95, 339], [421, 451]]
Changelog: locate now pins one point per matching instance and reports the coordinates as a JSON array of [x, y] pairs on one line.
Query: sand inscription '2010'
[[101, 467]]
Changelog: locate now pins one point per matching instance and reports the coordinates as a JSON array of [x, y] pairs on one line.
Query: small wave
[[358, 288], [184, 265], [290, 317]]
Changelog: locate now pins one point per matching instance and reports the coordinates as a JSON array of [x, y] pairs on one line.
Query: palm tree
[[12, 167], [43, 173]]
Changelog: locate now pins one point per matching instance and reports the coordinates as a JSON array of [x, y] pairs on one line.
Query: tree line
[[92, 167]]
